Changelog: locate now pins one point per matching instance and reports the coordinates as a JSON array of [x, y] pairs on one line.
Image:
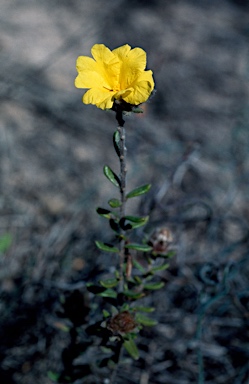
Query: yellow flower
[[114, 75]]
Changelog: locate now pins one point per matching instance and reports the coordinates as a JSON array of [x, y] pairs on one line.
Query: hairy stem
[[123, 171]]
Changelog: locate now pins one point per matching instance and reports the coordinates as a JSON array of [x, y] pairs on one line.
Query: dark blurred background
[[191, 143]]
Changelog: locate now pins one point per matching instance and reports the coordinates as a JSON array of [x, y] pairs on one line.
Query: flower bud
[[122, 323], [160, 240]]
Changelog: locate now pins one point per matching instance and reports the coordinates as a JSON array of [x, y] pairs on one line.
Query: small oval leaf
[[114, 203], [144, 320], [154, 286], [139, 247], [139, 191], [116, 142], [134, 295], [168, 255], [123, 225], [111, 176], [104, 212], [106, 247], [109, 283], [137, 265], [136, 221], [114, 225], [137, 110], [144, 309], [95, 289], [138, 280], [131, 348], [108, 293], [53, 376], [61, 326], [125, 307], [160, 268], [106, 313]]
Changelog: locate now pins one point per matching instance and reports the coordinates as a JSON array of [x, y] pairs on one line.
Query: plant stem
[[123, 171], [117, 360]]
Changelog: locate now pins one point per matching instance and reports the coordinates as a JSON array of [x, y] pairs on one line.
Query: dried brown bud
[[122, 323], [160, 240]]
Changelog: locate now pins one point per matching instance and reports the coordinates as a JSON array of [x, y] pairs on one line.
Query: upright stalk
[[123, 171]]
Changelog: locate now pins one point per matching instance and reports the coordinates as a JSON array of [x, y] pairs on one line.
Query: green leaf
[[136, 221], [106, 247], [62, 327], [168, 255], [53, 376], [160, 268], [108, 293], [106, 350], [125, 307], [144, 320], [116, 142], [114, 203], [139, 191], [154, 286], [137, 280], [104, 212], [137, 110], [106, 313], [137, 225], [114, 225], [111, 176], [123, 225], [95, 289], [134, 295], [138, 266], [109, 283], [131, 348], [5, 242], [139, 247], [143, 309], [117, 274]]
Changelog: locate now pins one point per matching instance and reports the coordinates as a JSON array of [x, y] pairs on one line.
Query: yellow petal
[[108, 65], [146, 76], [105, 104], [140, 89], [138, 56], [135, 57], [88, 75], [119, 74], [139, 94], [101, 98], [133, 62], [122, 94], [103, 54], [122, 52], [100, 73]]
